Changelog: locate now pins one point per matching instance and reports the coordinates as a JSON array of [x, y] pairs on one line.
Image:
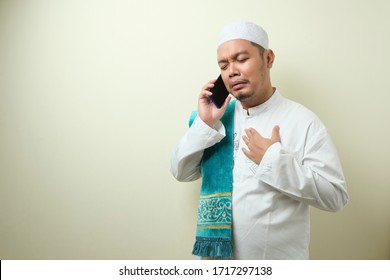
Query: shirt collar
[[253, 111]]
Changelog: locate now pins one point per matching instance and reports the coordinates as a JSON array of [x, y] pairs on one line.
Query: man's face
[[244, 72]]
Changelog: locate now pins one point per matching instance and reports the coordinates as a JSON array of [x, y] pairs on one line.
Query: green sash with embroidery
[[214, 227]]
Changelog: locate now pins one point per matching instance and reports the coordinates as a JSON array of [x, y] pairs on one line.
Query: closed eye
[[223, 66], [242, 59]]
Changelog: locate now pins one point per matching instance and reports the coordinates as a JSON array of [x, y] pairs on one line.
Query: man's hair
[[261, 49]]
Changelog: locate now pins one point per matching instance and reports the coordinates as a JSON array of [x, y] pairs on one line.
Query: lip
[[238, 84]]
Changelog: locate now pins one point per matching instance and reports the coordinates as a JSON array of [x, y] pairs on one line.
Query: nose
[[233, 70]]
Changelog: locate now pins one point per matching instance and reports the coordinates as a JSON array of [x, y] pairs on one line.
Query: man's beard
[[243, 97]]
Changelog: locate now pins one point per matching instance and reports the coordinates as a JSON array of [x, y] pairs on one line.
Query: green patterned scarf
[[214, 227]]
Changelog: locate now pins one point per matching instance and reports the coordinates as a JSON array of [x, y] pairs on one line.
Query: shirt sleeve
[[188, 152], [316, 178]]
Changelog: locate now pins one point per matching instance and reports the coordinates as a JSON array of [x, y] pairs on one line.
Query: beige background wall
[[94, 95]]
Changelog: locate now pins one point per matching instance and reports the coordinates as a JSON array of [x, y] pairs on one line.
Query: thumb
[[275, 134], [226, 103]]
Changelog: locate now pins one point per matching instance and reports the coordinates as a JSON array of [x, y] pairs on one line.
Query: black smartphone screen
[[220, 93]]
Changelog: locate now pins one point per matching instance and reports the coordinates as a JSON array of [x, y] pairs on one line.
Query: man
[[283, 160]]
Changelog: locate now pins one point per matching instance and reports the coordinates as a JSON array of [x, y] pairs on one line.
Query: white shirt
[[271, 200]]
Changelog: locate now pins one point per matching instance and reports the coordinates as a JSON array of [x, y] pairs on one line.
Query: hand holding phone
[[219, 93]]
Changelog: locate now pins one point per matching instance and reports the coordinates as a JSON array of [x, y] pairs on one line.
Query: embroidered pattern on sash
[[215, 211]]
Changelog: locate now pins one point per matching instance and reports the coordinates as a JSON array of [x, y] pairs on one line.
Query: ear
[[270, 56]]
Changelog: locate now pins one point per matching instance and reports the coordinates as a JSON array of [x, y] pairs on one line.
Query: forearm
[[319, 183], [187, 154]]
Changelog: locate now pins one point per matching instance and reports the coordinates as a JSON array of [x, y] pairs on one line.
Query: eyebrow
[[224, 60]]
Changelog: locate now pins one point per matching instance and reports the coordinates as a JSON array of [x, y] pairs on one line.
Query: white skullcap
[[244, 30]]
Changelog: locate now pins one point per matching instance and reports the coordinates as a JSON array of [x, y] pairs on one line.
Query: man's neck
[[264, 98]]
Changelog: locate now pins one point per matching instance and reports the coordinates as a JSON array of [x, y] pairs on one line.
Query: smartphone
[[220, 93]]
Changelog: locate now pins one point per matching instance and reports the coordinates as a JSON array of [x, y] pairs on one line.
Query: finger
[[246, 152], [226, 103], [209, 85], [251, 132], [246, 139], [205, 93], [206, 89], [248, 132], [275, 134], [204, 97]]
